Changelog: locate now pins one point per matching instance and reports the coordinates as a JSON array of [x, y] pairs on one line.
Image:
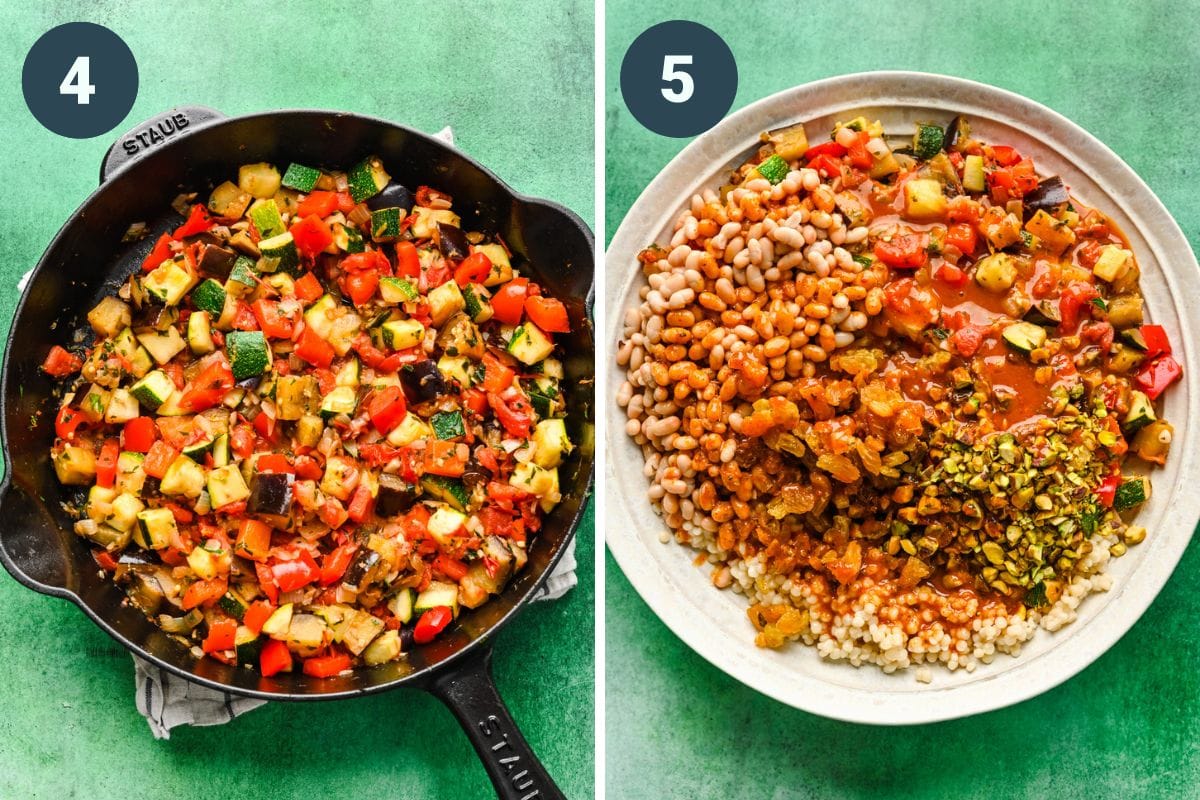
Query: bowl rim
[[639, 562]]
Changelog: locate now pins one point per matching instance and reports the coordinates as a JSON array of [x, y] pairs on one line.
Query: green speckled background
[[1127, 726], [514, 79]]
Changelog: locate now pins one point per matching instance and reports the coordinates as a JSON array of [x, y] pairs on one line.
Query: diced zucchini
[[306, 633], [1130, 493], [99, 503], [281, 250], [410, 429], [93, 402], [295, 396], [927, 141], [229, 200], [161, 345], [437, 595], [170, 281], [122, 407], [318, 316], [220, 450], [301, 178], [247, 352], [209, 296], [1025, 337], [199, 333], [196, 451], [529, 344], [1135, 339], [425, 220], [1112, 265], [171, 406], [444, 523], [401, 334], [774, 169], [973, 176], [241, 278], [110, 316], [385, 224], [309, 429], [996, 272], [349, 374], [924, 200], [126, 346], [367, 178], [1141, 412], [226, 485], [445, 301], [339, 472], [1123, 359], [106, 536], [448, 490], [359, 630], [153, 390], [401, 604], [244, 243], [233, 604], [791, 142], [279, 622], [75, 466], [384, 649], [1126, 311], [502, 271], [342, 400], [260, 180], [183, 477], [130, 475], [347, 239], [448, 425], [1054, 234], [125, 510], [156, 526], [397, 290], [538, 481], [475, 303], [342, 332], [457, 368], [551, 443]]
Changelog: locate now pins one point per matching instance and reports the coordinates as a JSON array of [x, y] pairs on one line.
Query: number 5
[[686, 86], [79, 81]]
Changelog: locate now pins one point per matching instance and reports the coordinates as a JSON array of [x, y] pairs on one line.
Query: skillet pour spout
[[192, 148]]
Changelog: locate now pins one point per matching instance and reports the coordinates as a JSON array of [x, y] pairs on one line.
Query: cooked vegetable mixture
[[321, 419], [900, 394]]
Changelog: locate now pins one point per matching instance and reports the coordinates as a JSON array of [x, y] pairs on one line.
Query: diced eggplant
[[217, 261], [270, 493], [1044, 313], [154, 314], [396, 495], [203, 237], [250, 383], [475, 474], [394, 195], [145, 591], [363, 570], [958, 130], [1049, 196], [452, 242], [425, 380]]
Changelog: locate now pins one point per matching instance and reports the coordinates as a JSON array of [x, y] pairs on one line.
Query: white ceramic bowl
[[712, 622]]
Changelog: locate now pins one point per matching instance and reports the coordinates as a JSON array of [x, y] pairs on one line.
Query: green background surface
[[520, 99], [1125, 727]]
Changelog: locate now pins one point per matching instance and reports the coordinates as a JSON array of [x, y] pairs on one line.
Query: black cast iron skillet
[[192, 148]]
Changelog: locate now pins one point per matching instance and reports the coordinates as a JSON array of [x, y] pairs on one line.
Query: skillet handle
[[31, 553], [470, 693], [153, 133]]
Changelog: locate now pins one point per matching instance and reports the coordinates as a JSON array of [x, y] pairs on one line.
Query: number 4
[[78, 81], [686, 87]]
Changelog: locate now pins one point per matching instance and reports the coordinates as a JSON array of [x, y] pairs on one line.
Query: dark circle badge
[[80, 80], [678, 78]]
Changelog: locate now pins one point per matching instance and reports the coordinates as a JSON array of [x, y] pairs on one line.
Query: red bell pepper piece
[[243, 317], [139, 434], [319, 203], [1107, 489], [264, 425], [508, 304], [221, 635], [274, 462], [906, 251], [1157, 343], [308, 288], [475, 400], [335, 563], [452, 568], [1004, 155], [307, 468], [496, 376], [311, 235], [548, 314], [257, 615], [830, 148], [241, 440], [274, 658], [158, 254], [105, 560], [325, 666], [266, 581], [295, 574], [473, 269], [962, 236], [857, 153], [67, 422], [432, 622], [209, 386], [387, 409], [1155, 377], [204, 593], [362, 503], [513, 410], [253, 540], [826, 164], [313, 349], [952, 276], [106, 463], [408, 262], [275, 324], [360, 286], [445, 458], [198, 221], [61, 362], [333, 513]]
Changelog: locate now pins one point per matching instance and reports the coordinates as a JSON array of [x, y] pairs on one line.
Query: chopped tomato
[[1073, 300], [830, 148], [335, 563], [266, 581], [1004, 155], [369, 261], [307, 468], [139, 434], [273, 320], [432, 622], [857, 153], [548, 314], [264, 424], [906, 251], [204, 593], [257, 615], [952, 276], [445, 458], [158, 458], [181, 514], [311, 235], [473, 269], [198, 221], [966, 340], [325, 666], [1024, 178], [408, 261], [105, 560], [318, 203], [158, 254], [221, 635], [964, 209], [508, 304], [241, 440], [962, 236], [360, 286], [67, 422], [826, 164], [512, 408], [274, 658], [295, 574], [333, 513], [362, 503], [209, 386], [106, 464], [496, 376], [475, 400], [313, 349], [387, 409], [61, 362], [253, 540], [452, 568], [308, 288]]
